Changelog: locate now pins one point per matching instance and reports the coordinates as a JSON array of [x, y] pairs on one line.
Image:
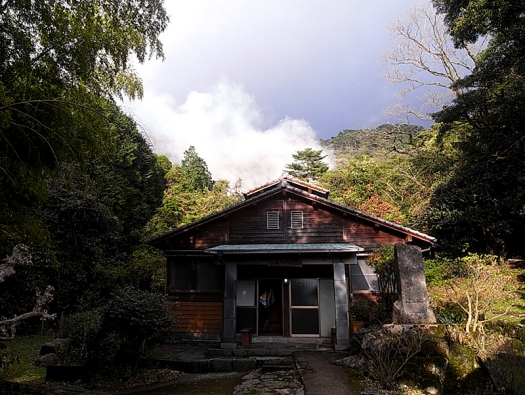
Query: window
[[194, 275], [296, 220], [272, 220], [246, 293], [362, 277]]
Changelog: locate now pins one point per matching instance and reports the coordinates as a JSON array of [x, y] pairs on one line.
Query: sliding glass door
[[304, 300]]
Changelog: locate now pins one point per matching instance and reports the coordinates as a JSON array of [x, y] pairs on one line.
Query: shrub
[[83, 331], [480, 280], [437, 271], [449, 313], [129, 320], [116, 334], [383, 263], [368, 311], [387, 355]]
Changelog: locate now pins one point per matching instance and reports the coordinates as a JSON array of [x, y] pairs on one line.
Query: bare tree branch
[[21, 256], [424, 58]]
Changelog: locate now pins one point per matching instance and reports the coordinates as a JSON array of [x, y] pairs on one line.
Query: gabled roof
[[300, 188], [295, 182]]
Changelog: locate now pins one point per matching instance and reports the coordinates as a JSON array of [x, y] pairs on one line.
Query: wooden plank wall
[[367, 236], [197, 317], [249, 226], [321, 225]]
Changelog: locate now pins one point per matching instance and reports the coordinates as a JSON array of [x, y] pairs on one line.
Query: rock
[[46, 360], [52, 347], [413, 306], [281, 382], [431, 391], [352, 361]]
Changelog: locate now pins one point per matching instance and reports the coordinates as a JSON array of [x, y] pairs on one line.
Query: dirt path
[[321, 377]]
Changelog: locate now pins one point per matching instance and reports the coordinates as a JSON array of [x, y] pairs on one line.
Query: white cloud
[[227, 128]]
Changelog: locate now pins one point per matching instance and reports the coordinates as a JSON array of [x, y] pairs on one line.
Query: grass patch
[[28, 348]]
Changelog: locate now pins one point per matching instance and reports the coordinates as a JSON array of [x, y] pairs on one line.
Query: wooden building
[[285, 242]]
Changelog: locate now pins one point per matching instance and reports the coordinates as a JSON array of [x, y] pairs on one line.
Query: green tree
[[483, 202], [366, 184], [196, 171], [128, 180], [308, 165], [183, 204], [85, 235], [95, 216], [60, 61]]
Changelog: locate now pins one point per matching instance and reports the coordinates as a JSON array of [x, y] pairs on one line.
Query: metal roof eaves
[[282, 249]]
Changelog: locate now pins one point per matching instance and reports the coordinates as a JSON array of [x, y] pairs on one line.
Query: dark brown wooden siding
[[249, 226], [197, 317], [321, 224], [368, 236]]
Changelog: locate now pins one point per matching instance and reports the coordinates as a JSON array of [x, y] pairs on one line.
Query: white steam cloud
[[228, 130]]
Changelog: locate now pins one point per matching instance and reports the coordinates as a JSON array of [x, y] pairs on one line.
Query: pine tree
[[308, 165]]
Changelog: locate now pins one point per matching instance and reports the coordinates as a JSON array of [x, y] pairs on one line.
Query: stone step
[[226, 364]]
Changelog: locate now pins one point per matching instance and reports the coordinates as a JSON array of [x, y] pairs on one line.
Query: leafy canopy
[[481, 207], [61, 61]]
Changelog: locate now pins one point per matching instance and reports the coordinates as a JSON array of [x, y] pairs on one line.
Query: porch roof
[[283, 248]]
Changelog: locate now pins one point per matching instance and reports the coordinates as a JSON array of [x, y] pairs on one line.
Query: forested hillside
[[389, 171]]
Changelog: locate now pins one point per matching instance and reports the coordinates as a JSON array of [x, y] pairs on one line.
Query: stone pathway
[[320, 377], [281, 382]]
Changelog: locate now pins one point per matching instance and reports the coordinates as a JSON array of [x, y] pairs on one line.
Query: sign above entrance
[[295, 261]]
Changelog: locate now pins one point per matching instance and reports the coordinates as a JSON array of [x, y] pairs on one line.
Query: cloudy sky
[[249, 83]]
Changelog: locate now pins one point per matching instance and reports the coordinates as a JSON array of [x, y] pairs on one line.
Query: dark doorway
[[270, 305]]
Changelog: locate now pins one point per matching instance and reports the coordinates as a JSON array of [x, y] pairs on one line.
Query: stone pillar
[[341, 306], [413, 306], [229, 312]]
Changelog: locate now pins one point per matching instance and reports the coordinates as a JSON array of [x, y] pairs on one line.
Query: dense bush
[[83, 330], [387, 354], [115, 335], [437, 271], [449, 313]]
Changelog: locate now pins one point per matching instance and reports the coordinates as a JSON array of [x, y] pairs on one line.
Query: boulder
[[46, 360], [52, 347]]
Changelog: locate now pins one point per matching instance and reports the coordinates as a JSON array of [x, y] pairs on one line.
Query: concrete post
[[229, 320], [341, 306]]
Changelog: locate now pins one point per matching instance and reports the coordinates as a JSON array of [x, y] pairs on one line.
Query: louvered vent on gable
[[272, 220], [296, 220]]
